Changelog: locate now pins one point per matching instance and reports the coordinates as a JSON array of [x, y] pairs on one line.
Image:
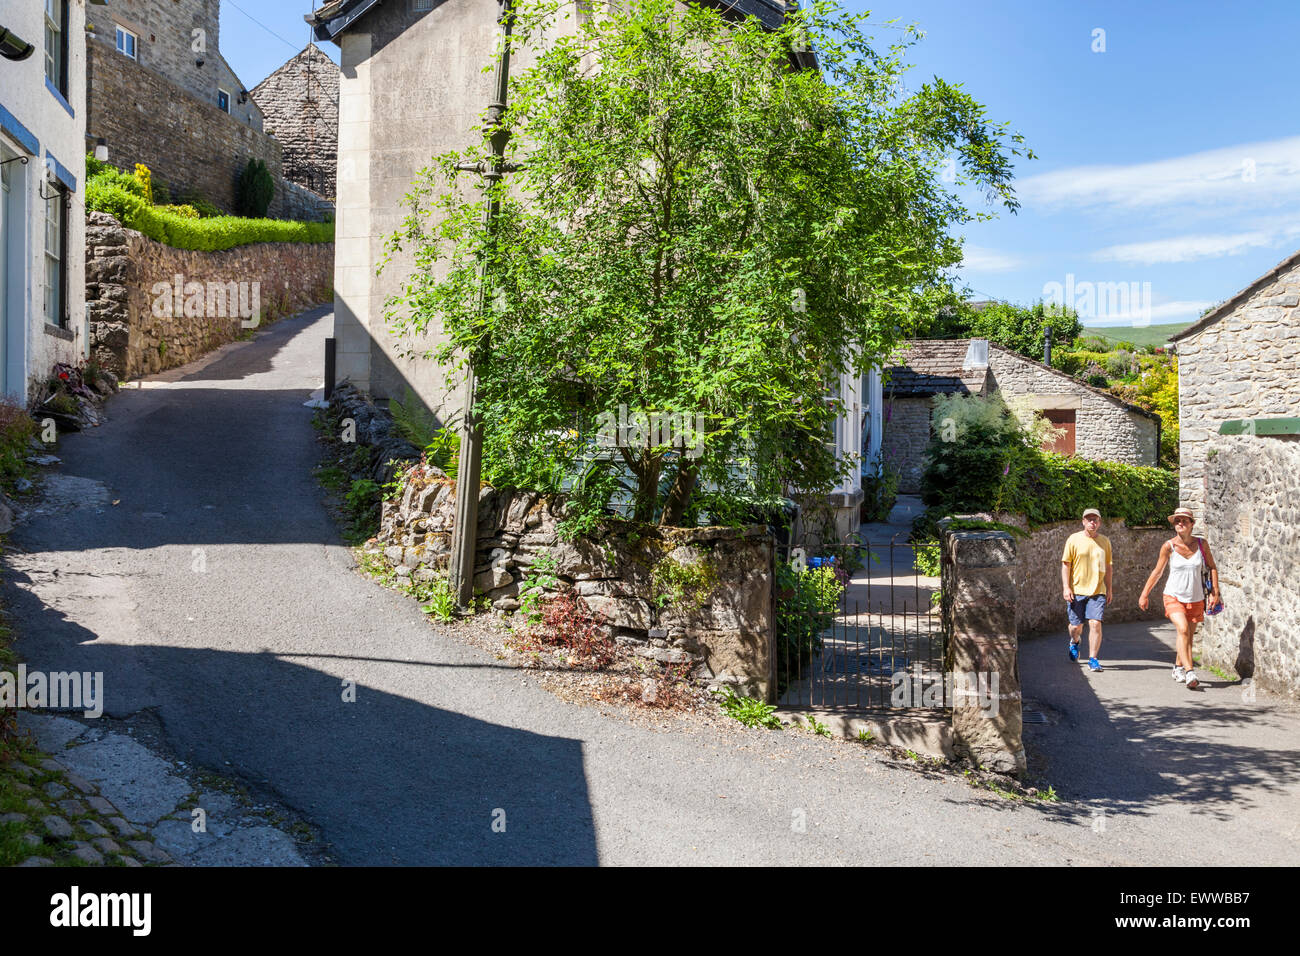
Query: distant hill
[[1148, 335]]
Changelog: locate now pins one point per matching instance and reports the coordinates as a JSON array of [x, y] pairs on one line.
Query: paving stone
[[93, 828], [21, 787], [260, 846], [73, 808], [216, 803], [54, 790], [52, 733], [102, 805], [86, 852], [178, 838], [12, 818], [36, 861], [105, 845], [57, 826], [53, 766], [122, 827], [22, 769], [149, 851], [139, 783], [31, 839], [80, 782], [35, 803]]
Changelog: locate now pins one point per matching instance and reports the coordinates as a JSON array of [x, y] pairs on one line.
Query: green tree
[[698, 228], [1016, 327], [254, 190]]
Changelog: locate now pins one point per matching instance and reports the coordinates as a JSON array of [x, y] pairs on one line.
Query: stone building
[[42, 193], [160, 93], [1239, 443], [300, 101], [1096, 424]]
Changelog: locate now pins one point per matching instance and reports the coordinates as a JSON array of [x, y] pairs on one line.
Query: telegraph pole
[[464, 536]]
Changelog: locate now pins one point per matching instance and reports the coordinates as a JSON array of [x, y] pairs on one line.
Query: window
[[56, 44], [423, 5], [126, 41], [223, 101], [56, 267]]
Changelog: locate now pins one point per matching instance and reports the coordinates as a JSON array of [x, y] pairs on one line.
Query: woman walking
[[1187, 558]]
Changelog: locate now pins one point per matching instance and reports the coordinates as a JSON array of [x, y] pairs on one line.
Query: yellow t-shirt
[[1088, 559]]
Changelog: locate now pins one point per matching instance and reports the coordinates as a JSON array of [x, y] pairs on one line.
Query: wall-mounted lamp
[[198, 62], [14, 47], [101, 149], [243, 97]]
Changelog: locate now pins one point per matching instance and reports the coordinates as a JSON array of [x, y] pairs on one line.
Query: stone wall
[[1245, 365], [300, 101], [1252, 525], [298, 202], [1038, 576], [979, 609], [906, 436], [126, 272], [1105, 429], [189, 144]]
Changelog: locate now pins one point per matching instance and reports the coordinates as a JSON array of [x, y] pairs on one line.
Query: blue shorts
[[1086, 609]]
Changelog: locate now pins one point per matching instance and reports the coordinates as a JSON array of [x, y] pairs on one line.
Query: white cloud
[[980, 259], [1184, 248], [1160, 314], [1249, 174]]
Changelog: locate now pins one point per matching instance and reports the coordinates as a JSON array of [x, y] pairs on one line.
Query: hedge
[[1047, 487], [107, 193]]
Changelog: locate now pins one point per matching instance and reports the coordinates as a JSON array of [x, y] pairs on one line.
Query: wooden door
[[1061, 418]]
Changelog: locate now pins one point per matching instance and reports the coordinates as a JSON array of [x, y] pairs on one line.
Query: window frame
[[122, 31], [226, 93], [56, 60], [60, 260]]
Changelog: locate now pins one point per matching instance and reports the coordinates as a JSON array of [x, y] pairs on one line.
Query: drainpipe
[[1047, 345]]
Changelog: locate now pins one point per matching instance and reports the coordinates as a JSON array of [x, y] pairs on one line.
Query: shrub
[[880, 492], [805, 606], [185, 212], [145, 179], [254, 190], [750, 711], [568, 623]]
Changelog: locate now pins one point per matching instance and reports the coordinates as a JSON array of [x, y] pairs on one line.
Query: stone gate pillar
[[979, 623]]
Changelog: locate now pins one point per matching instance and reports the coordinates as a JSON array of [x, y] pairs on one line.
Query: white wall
[[31, 348]]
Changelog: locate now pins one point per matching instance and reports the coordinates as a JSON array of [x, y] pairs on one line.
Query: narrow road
[[185, 552]]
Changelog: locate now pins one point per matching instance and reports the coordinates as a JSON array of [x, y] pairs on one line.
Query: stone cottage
[[300, 101], [1095, 423], [1239, 443], [160, 93], [390, 48], [42, 192]]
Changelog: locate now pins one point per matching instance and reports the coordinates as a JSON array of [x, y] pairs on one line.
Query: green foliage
[[880, 491], [17, 428], [1156, 389], [866, 736], [201, 205], [978, 437], [420, 427], [817, 727], [254, 190], [703, 233], [541, 577], [687, 585], [362, 498], [927, 559], [1143, 337], [806, 602], [436, 597], [750, 711], [1016, 327], [333, 477], [185, 212]]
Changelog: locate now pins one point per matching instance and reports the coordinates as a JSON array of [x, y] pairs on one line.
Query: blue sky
[[1170, 158]]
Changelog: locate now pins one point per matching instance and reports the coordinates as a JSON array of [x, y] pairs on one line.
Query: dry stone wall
[[906, 436], [126, 272], [1245, 365], [1253, 527]]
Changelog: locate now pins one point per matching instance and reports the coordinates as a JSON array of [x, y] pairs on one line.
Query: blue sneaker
[[1094, 664], [1074, 650]]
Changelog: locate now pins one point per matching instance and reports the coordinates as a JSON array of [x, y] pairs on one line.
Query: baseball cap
[[1092, 511]]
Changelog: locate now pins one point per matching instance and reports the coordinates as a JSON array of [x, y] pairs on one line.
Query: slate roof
[[933, 367], [338, 15]]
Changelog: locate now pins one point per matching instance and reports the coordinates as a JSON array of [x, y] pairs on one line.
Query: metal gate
[[881, 647]]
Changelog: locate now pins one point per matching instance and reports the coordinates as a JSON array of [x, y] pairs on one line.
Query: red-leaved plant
[[567, 622]]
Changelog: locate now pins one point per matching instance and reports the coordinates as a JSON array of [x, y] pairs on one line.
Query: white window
[[223, 100], [126, 41], [422, 5], [55, 15], [56, 224]]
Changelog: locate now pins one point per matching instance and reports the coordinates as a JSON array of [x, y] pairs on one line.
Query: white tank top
[[1185, 575]]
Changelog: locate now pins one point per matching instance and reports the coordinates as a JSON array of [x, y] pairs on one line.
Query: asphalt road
[[186, 553]]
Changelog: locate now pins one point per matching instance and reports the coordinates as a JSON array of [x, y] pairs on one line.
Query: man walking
[[1086, 584]]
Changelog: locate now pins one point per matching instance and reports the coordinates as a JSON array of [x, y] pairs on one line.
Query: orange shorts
[[1195, 612]]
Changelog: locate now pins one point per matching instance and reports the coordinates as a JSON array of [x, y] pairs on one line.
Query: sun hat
[[1092, 511], [1183, 513]]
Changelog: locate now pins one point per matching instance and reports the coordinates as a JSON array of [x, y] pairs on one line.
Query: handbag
[[1207, 582]]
